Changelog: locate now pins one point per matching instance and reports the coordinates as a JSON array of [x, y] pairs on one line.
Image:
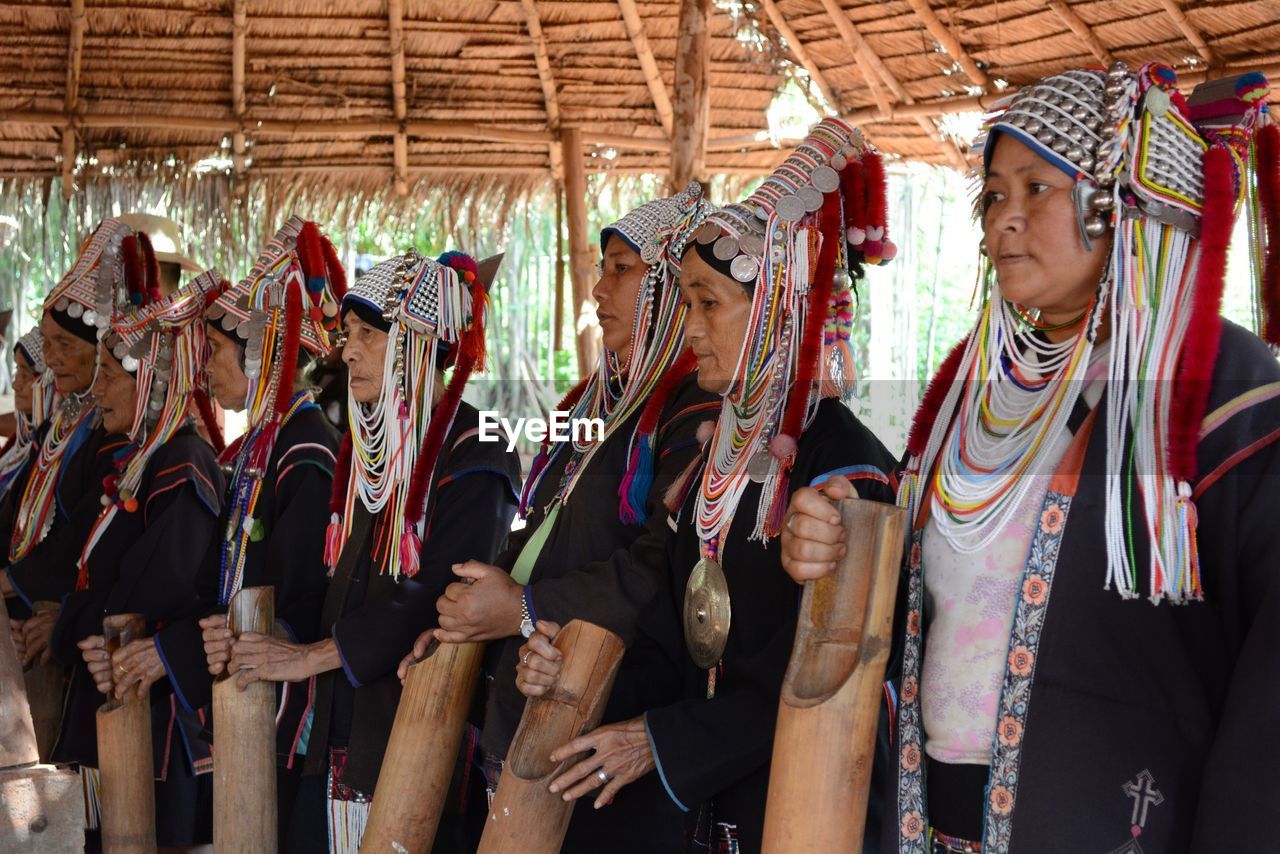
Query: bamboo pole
[[693, 94], [558, 341], [524, 817], [423, 749], [400, 149], [801, 53], [239, 32], [125, 764], [244, 761], [550, 99], [824, 739], [575, 192], [648, 64], [1188, 30], [46, 684], [71, 99]]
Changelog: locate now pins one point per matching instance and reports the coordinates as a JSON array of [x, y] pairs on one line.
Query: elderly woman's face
[[715, 324], [1032, 236], [115, 391], [365, 356]]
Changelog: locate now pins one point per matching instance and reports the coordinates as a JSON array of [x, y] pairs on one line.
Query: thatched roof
[[312, 88]]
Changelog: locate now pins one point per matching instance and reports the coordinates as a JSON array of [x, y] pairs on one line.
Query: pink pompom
[[889, 251], [782, 446], [706, 430], [856, 236]]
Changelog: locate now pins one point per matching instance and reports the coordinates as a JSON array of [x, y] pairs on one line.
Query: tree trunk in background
[[693, 95]]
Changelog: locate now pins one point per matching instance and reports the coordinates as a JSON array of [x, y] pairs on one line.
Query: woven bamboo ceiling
[[332, 88]]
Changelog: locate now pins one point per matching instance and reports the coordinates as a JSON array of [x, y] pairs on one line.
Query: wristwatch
[[526, 620]]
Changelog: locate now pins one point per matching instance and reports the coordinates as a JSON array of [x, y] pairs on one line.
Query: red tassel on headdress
[[337, 276], [471, 348], [415, 503], [150, 269], [853, 181], [337, 501], [289, 358], [927, 414], [876, 249], [1267, 142], [134, 278], [205, 407], [310, 251], [1200, 350]]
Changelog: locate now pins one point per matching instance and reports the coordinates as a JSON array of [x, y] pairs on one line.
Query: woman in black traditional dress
[[760, 282], [157, 521], [1102, 442], [416, 493], [594, 545]]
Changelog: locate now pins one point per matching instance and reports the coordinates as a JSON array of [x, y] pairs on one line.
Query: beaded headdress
[[797, 241], [116, 269], [658, 231], [389, 453], [1164, 179], [162, 343], [31, 347]]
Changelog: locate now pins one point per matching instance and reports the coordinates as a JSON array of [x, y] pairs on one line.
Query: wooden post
[[423, 749], [400, 142], [46, 685], [575, 192], [239, 29], [71, 98], [693, 94], [244, 759], [524, 817], [558, 340], [126, 771], [824, 740]]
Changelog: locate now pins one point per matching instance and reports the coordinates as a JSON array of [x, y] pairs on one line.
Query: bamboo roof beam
[[943, 36], [1188, 30], [693, 94], [71, 97], [873, 61], [400, 142], [801, 55], [868, 61], [550, 98], [239, 30], [1082, 30], [648, 64]]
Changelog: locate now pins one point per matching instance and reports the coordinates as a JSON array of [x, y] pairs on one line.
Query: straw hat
[[166, 239]]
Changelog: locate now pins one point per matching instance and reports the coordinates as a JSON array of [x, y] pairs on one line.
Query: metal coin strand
[[825, 179], [744, 268], [838, 162], [790, 209], [707, 233], [811, 198], [725, 248], [707, 613], [759, 465], [75, 309], [751, 244]]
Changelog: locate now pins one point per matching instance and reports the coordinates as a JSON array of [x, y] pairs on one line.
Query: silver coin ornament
[[744, 268]]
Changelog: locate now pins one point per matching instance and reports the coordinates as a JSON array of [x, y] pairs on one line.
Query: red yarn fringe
[[682, 367], [289, 358], [853, 180], [471, 347], [1200, 350], [341, 475], [310, 250], [441, 420], [877, 201], [811, 341], [1267, 142], [927, 414], [133, 275], [205, 408], [150, 269], [337, 275]]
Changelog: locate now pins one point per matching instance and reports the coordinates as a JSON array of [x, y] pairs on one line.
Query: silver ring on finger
[[790, 522], [525, 658], [602, 777]]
